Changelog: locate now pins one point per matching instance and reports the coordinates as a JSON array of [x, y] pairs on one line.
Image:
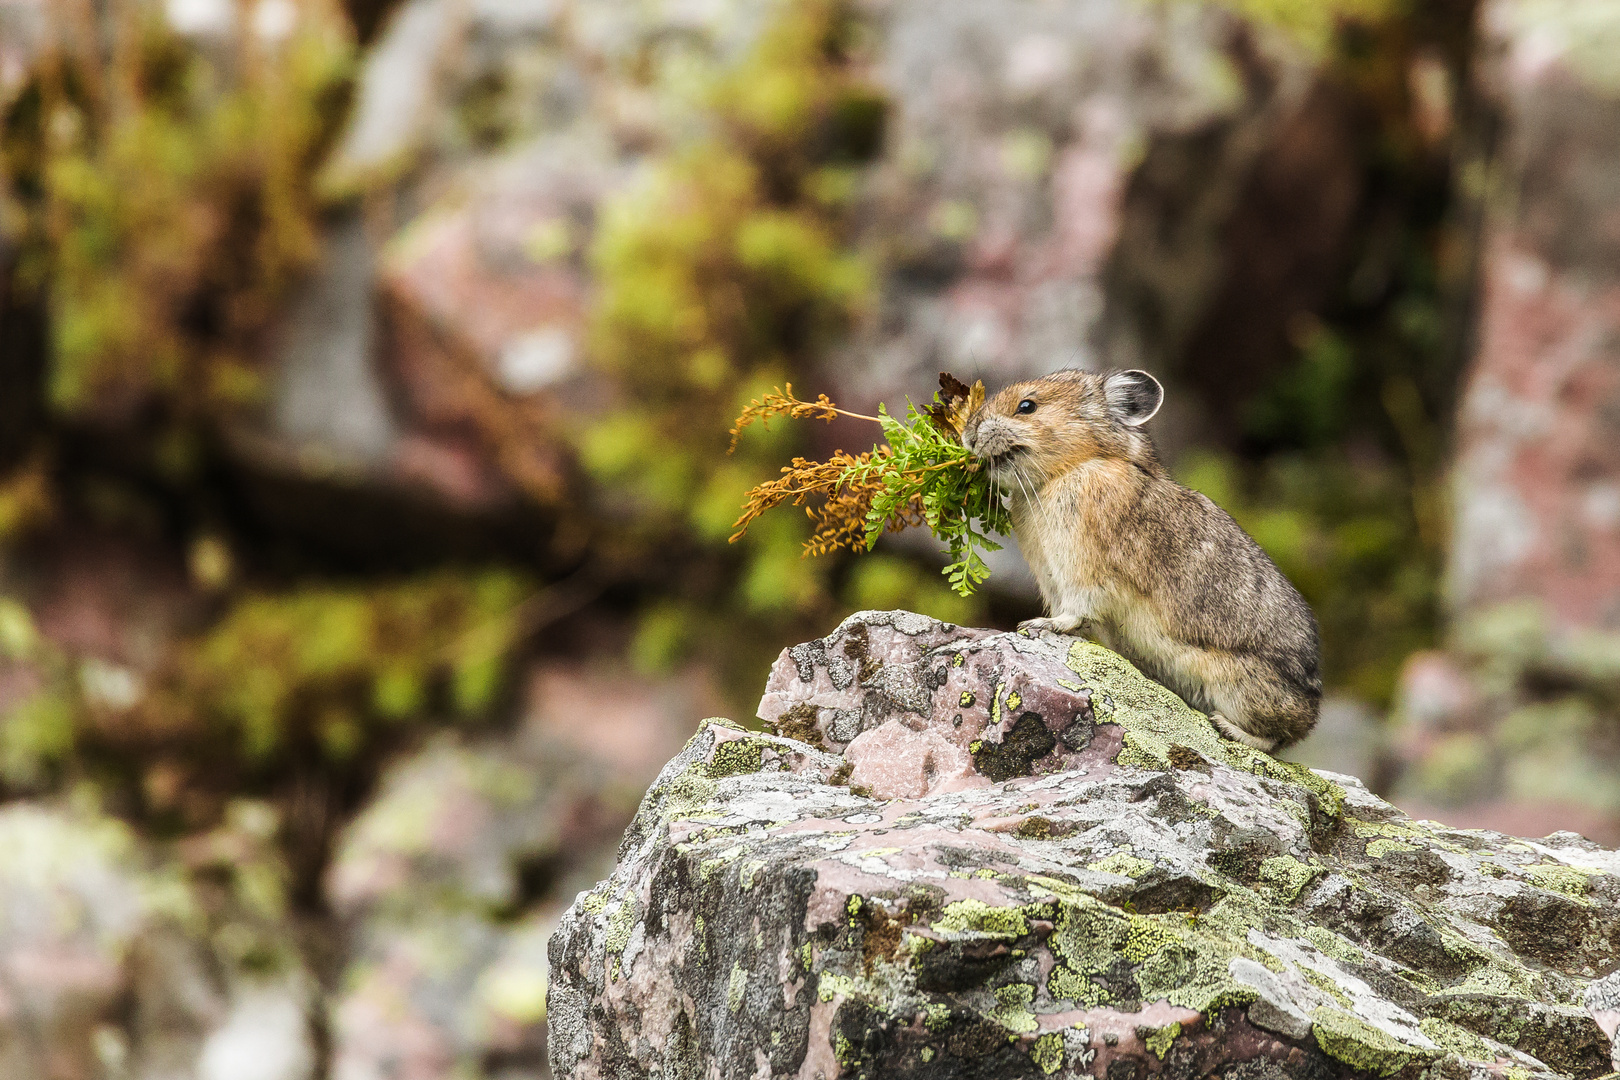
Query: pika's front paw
[[1060, 624]]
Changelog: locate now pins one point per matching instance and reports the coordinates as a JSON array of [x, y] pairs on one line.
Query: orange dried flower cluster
[[923, 476], [845, 485]]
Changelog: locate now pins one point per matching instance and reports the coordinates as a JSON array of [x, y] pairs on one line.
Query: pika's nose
[[970, 434]]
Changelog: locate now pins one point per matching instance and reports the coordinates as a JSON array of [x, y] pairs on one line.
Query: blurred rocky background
[[365, 377]]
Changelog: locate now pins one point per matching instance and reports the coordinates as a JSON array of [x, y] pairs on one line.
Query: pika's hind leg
[[1237, 734], [1062, 624]]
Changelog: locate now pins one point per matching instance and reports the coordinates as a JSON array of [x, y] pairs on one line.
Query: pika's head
[[1038, 430]]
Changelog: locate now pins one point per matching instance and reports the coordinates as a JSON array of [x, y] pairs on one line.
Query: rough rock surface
[[969, 853]]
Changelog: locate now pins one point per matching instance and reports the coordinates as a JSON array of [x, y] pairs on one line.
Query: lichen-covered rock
[[1087, 880]]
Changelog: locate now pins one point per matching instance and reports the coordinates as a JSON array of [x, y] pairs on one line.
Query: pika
[[1149, 568]]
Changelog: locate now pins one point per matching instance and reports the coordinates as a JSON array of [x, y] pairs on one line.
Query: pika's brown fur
[[1152, 570]]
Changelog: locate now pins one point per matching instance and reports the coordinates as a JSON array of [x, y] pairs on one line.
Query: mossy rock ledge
[[977, 854]]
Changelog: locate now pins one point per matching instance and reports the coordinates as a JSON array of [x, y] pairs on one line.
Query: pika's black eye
[[1026, 406]]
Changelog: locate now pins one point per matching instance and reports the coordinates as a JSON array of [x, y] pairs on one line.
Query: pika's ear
[[1133, 396]]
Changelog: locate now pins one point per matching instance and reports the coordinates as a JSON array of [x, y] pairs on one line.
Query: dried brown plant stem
[[781, 402]]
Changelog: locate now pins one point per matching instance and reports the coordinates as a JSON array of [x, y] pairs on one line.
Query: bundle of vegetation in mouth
[[920, 475]]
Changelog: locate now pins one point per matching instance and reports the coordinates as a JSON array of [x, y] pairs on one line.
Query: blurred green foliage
[[335, 667], [324, 673], [169, 202], [1339, 472], [1345, 535], [38, 731], [725, 269], [1314, 23], [719, 271]]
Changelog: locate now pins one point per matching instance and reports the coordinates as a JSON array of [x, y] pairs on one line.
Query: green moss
[[724, 269], [184, 200], [1313, 23], [278, 666]]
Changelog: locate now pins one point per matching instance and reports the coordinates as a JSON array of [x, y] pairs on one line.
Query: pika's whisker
[[1035, 490], [1019, 476]]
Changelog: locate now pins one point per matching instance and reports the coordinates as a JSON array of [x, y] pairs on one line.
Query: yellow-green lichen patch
[[830, 984], [1361, 1046], [1155, 720], [978, 918], [1185, 966], [936, 1016], [1327, 985], [1405, 830], [1066, 984], [707, 867], [1147, 937], [1288, 876], [1040, 885], [1335, 945], [1012, 1009], [736, 757], [1497, 979], [1089, 934], [691, 794], [735, 987], [1161, 1039], [1122, 862], [619, 926], [1047, 1053], [1450, 1037], [1377, 849], [1560, 877], [748, 873]]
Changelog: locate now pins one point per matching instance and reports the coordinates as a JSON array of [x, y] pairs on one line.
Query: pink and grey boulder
[[975, 854]]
